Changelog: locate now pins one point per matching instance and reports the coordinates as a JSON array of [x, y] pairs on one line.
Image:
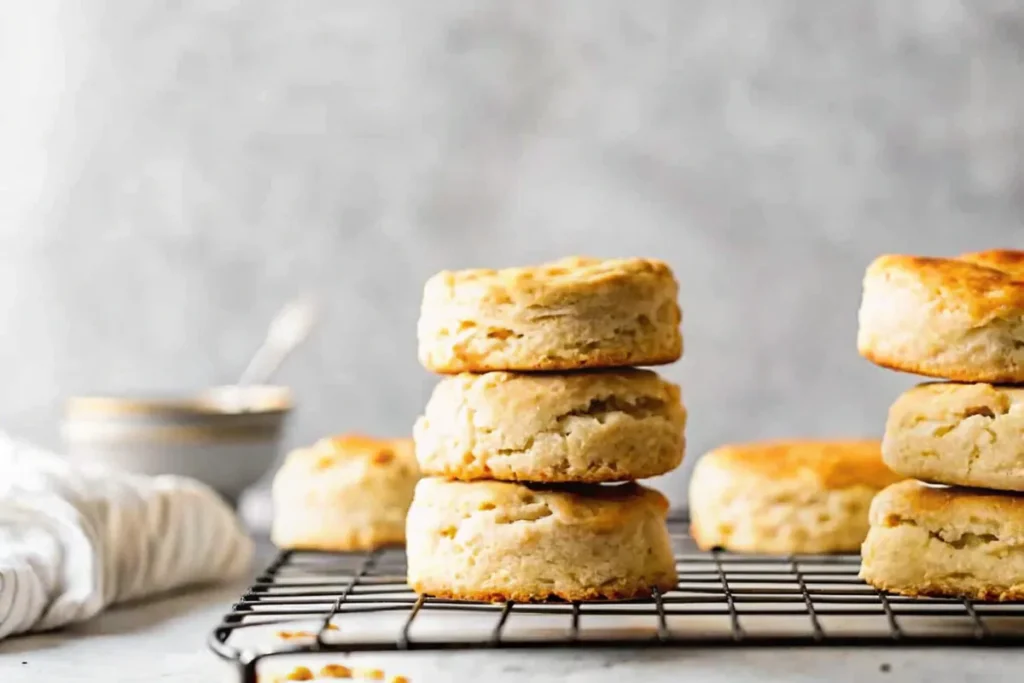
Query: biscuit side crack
[[967, 539], [600, 410]]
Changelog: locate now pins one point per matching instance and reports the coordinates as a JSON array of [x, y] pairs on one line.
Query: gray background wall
[[172, 172]]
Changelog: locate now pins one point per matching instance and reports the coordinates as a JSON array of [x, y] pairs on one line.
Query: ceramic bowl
[[226, 437]]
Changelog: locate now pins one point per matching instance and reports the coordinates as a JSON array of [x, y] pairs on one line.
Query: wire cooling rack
[[309, 602]]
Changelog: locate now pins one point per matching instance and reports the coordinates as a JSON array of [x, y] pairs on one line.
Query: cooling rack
[[310, 602]]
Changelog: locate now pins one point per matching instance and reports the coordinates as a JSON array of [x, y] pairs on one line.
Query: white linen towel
[[76, 538]]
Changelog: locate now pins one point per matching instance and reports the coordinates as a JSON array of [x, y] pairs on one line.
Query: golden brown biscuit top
[[985, 282], [601, 506], [911, 499], [830, 464], [377, 453], [557, 279], [1008, 261]]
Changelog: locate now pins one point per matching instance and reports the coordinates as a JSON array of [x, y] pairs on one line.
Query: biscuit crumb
[[371, 674], [292, 635], [399, 679], [300, 673], [335, 671]]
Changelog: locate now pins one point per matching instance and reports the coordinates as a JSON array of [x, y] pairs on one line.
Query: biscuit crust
[[784, 497], [589, 427], [961, 434], [490, 540], [344, 493], [928, 541], [570, 314], [955, 318]]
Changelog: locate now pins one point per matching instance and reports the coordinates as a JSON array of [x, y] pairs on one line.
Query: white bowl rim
[[262, 399]]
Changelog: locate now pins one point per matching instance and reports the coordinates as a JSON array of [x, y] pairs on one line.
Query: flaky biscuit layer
[[566, 315], [503, 541], [590, 427], [962, 434], [927, 541]]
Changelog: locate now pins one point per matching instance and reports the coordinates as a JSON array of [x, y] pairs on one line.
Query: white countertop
[[165, 640]]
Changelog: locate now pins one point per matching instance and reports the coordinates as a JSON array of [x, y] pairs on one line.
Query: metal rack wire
[[721, 600]]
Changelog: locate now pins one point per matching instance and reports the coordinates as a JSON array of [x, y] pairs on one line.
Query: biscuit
[[570, 314], [344, 493], [945, 542], [487, 540], [786, 496], [963, 434], [960, 319], [587, 427]]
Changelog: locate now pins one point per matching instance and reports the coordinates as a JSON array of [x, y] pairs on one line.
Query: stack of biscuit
[[532, 443], [959, 529]]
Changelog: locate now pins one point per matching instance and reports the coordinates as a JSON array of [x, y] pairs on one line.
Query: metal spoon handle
[[263, 364], [288, 330]]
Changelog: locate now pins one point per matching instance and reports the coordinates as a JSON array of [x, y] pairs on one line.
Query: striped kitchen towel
[[77, 538]]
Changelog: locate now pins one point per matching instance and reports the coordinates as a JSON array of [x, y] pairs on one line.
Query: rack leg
[[248, 671]]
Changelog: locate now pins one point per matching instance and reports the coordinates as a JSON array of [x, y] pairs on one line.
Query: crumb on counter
[[300, 673], [292, 635], [335, 671], [383, 456]]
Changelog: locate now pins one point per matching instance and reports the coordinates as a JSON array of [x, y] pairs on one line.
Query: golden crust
[[550, 283], [1008, 261], [930, 541], [821, 463], [381, 452], [570, 314], [955, 318], [624, 592], [590, 427], [497, 540], [380, 457], [933, 589], [989, 283]]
